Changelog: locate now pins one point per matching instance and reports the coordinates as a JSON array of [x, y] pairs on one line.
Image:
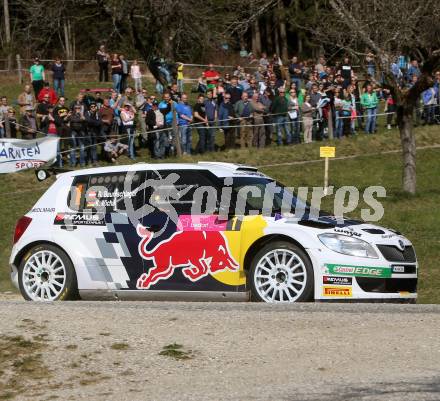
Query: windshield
[[258, 195]]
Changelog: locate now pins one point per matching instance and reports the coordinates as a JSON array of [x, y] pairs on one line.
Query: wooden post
[[330, 123], [326, 176], [19, 72]]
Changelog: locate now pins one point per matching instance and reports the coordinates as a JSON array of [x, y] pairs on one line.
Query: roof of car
[[220, 169]]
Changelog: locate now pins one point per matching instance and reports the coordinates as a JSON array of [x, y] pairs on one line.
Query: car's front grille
[[393, 254], [387, 285]]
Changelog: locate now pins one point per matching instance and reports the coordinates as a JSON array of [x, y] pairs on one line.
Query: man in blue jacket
[[184, 119], [165, 107]]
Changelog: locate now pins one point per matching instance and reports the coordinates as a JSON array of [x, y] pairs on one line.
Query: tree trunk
[[256, 38], [299, 44], [167, 43], [69, 45], [276, 37], [7, 33], [269, 43], [283, 34], [242, 41], [408, 141]]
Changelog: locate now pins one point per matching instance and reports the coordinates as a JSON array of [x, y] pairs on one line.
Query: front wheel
[[281, 272], [47, 274]]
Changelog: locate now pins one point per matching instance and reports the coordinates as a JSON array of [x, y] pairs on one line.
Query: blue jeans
[[166, 73], [77, 140], [185, 138], [93, 140], [160, 144], [129, 130], [202, 130], [180, 85], [429, 113], [339, 125], [116, 78], [281, 123], [210, 136], [295, 130], [58, 86], [371, 121], [159, 87]]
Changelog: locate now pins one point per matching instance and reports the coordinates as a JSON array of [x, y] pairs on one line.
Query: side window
[[107, 192], [186, 191], [77, 192]]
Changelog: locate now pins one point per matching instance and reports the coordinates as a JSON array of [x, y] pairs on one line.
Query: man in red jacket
[[211, 76], [47, 90]]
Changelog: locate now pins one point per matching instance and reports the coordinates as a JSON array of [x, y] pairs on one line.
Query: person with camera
[[78, 126], [94, 123]]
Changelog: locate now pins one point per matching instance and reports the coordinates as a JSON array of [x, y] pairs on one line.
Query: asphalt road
[[230, 351]]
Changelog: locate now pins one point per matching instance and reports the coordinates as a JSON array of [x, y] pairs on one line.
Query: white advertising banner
[[19, 154]]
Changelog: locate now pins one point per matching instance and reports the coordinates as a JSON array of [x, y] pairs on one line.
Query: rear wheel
[[281, 272], [47, 274]]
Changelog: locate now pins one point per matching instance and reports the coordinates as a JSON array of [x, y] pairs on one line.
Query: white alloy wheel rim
[[280, 276], [44, 276]]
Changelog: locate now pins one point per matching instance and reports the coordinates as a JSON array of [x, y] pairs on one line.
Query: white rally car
[[150, 232]]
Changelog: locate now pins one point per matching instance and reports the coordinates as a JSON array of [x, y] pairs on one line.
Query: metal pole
[[330, 123], [326, 176]]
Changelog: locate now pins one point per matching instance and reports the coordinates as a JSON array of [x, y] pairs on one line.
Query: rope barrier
[[197, 125], [298, 162]]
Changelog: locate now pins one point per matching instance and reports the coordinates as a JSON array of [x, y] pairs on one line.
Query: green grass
[[22, 366], [418, 216], [176, 351], [119, 346]]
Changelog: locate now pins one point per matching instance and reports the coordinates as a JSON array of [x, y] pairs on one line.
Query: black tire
[[69, 291], [307, 293]]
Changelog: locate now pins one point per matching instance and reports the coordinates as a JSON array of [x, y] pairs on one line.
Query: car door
[[184, 243], [98, 221]]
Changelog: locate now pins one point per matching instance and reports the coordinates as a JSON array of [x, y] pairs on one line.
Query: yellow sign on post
[[326, 152]]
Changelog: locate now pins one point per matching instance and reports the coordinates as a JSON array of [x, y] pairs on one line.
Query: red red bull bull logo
[[208, 253]]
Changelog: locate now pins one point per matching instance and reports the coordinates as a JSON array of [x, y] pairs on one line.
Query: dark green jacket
[[279, 105]]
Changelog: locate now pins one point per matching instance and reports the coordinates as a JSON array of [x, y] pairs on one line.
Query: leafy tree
[[389, 29]]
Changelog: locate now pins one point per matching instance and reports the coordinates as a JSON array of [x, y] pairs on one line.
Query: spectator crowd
[[250, 107]]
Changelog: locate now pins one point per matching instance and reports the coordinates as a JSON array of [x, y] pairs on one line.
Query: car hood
[[353, 228]]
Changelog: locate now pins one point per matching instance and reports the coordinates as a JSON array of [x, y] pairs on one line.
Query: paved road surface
[[110, 351]]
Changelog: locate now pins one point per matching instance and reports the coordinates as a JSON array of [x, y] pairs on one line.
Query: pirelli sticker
[[334, 291], [357, 271]]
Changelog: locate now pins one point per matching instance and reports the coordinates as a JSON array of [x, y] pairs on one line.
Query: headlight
[[348, 245]]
